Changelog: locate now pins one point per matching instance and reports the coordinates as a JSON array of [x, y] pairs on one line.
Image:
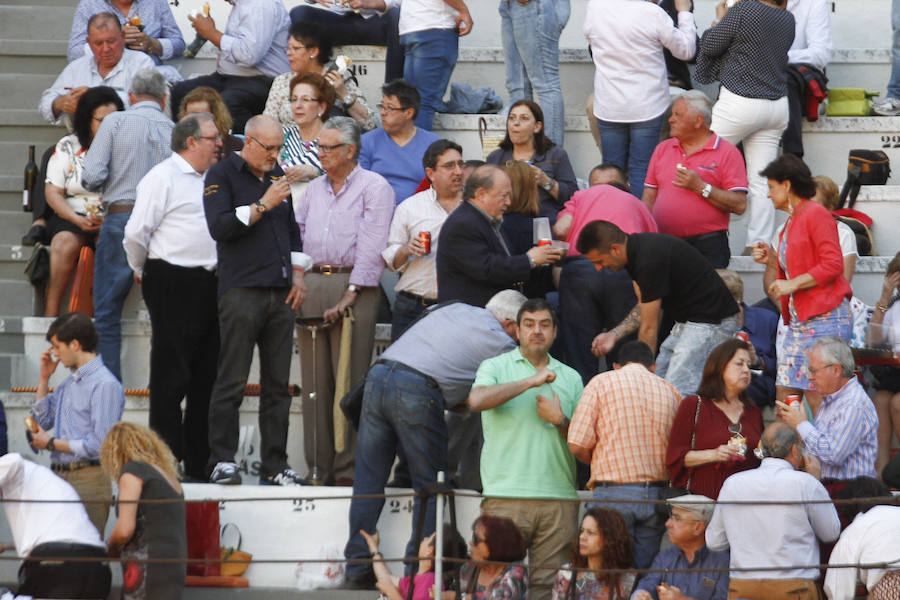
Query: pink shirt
[[682, 212], [606, 203], [350, 229], [424, 589]]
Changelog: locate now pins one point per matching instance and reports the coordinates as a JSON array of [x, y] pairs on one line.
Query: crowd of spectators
[[279, 197]]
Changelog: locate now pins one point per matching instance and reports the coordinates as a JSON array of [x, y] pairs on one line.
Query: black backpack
[[864, 244], [864, 167]]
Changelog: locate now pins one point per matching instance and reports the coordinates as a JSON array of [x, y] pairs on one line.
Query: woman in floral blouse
[[603, 543], [309, 51], [494, 539]]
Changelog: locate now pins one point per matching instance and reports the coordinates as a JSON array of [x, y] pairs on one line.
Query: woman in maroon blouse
[[715, 432]]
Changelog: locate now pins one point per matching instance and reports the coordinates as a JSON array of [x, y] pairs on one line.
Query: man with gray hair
[[127, 145], [247, 201], [473, 257], [173, 256], [108, 63], [434, 376], [773, 546], [696, 180], [844, 433], [344, 218]]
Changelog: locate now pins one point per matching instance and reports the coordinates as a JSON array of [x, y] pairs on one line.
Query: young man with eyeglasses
[[247, 202], [173, 257], [395, 149]]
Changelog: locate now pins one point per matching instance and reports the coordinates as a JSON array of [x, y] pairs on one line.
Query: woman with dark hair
[[494, 539], [206, 99], [76, 218], [309, 51], [517, 223], [715, 432], [884, 332], [805, 274], [603, 543], [525, 141]]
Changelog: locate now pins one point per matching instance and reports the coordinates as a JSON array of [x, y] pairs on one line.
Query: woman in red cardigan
[[805, 274]]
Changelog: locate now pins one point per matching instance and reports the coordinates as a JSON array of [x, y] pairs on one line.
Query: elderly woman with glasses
[[495, 539], [344, 218]]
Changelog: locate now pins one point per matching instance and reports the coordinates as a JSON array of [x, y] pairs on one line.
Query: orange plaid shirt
[[624, 417]]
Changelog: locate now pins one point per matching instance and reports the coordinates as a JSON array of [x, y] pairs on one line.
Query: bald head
[[489, 189], [779, 439], [262, 125], [264, 140]]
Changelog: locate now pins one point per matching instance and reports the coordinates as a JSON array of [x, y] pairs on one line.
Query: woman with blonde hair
[[206, 99], [146, 470]]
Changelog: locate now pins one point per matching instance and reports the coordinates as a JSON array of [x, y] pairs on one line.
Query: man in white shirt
[[109, 63], [763, 536], [811, 49], [173, 256], [52, 530], [424, 212]]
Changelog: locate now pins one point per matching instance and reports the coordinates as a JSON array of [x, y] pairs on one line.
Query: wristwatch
[[354, 288], [707, 190], [260, 207], [50, 445], [549, 185]]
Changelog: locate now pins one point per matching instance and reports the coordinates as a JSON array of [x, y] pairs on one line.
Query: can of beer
[[425, 238], [792, 400], [544, 242], [742, 335]]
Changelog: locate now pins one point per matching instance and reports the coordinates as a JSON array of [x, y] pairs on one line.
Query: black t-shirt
[[667, 267]]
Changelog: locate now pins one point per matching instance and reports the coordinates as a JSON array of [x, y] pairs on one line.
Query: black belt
[[74, 466], [706, 236], [393, 364], [417, 298], [643, 484]]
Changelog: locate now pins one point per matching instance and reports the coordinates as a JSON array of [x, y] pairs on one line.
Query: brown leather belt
[[330, 269], [115, 209], [417, 298], [74, 466]]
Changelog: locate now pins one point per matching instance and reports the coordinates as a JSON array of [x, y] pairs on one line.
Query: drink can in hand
[[792, 400], [425, 238], [742, 335]]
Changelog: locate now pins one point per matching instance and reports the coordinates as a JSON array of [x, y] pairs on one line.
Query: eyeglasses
[[291, 49], [325, 149], [519, 118], [306, 99], [814, 371], [476, 540], [384, 107], [453, 164], [212, 138], [681, 519], [267, 147]]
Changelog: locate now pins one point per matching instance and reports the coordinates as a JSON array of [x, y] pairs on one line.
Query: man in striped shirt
[[844, 433], [621, 428]]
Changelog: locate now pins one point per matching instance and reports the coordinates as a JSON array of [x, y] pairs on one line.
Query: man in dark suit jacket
[[473, 258]]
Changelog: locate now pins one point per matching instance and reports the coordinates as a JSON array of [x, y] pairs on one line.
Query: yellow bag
[[234, 561]]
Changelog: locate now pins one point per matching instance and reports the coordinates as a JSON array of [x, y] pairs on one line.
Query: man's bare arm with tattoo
[[643, 318]]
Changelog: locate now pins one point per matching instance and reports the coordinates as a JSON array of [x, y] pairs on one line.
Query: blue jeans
[[683, 354], [401, 408], [112, 282], [530, 36], [893, 88], [645, 525], [429, 58], [630, 145]]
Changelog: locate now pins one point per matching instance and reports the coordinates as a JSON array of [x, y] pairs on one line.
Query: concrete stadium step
[[13, 259], [26, 22], [13, 224], [16, 297]]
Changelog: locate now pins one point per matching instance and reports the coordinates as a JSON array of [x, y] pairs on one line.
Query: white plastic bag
[[322, 575]]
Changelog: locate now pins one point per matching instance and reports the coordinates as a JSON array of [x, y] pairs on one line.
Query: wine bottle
[[31, 173]]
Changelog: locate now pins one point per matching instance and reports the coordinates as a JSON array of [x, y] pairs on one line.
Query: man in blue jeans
[[530, 32], [890, 106], [407, 390], [127, 145], [429, 34]]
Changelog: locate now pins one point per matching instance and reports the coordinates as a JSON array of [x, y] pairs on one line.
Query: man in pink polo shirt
[[695, 180], [592, 301]]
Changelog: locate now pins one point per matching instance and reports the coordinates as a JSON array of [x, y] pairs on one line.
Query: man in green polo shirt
[[526, 398]]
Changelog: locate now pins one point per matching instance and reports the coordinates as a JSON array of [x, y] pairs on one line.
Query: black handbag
[[38, 268], [864, 167]]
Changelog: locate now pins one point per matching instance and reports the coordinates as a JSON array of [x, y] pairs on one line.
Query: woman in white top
[[884, 329], [73, 226], [631, 89]]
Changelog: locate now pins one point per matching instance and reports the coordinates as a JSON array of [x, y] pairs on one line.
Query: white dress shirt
[[872, 537], [365, 13], [254, 39], [84, 72], [772, 535], [168, 222], [35, 523], [812, 38], [420, 15], [421, 212], [627, 38]]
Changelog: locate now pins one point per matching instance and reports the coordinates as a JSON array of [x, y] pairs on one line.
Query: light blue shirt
[[844, 434], [127, 145], [400, 165], [255, 39], [449, 344], [81, 410]]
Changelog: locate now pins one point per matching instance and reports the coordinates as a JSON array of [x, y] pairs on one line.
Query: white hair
[[505, 304], [150, 83], [835, 351], [698, 103]]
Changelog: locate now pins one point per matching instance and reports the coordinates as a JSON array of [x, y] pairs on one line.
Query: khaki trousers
[[549, 528], [92, 483], [323, 292], [774, 589]]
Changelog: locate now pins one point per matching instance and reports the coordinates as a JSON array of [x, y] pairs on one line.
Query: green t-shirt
[[524, 456]]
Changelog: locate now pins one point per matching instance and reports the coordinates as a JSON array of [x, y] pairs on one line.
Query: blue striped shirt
[[81, 410], [127, 145], [844, 434], [296, 152]]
